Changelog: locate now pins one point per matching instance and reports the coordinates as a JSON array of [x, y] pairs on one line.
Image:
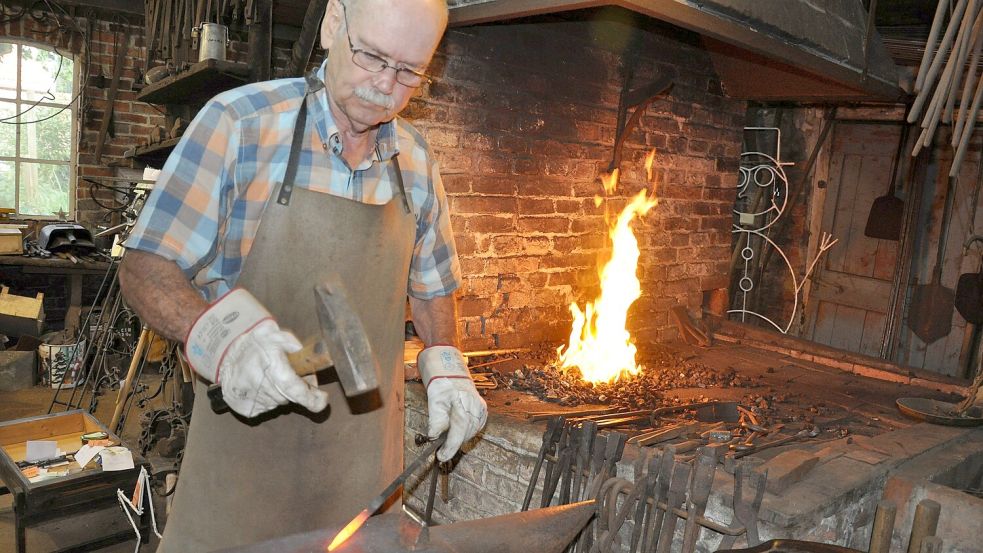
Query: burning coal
[[600, 346]]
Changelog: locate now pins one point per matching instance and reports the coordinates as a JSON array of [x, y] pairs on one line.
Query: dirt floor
[[780, 389]]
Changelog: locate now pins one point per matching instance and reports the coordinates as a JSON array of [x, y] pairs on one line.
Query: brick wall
[[131, 119], [523, 120]]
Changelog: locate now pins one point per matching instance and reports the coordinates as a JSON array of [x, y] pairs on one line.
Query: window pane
[[6, 184], [43, 188], [8, 70], [49, 138], [43, 74], [8, 133]]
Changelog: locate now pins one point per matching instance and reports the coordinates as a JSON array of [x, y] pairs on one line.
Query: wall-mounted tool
[[637, 99], [930, 315]]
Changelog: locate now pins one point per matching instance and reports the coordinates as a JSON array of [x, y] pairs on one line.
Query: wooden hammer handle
[[309, 360]]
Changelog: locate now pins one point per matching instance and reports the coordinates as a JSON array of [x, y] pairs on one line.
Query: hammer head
[[345, 338]]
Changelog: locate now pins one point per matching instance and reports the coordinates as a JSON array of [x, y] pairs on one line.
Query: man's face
[[403, 33]]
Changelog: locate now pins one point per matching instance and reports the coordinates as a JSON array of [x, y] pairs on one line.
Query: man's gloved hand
[[453, 403], [236, 343]]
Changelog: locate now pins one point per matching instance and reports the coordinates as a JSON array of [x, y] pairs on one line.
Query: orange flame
[[600, 346], [349, 529], [649, 160]]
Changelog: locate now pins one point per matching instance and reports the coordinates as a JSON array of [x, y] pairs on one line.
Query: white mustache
[[373, 96]]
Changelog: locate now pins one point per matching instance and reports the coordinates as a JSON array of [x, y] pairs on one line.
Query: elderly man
[[274, 187]]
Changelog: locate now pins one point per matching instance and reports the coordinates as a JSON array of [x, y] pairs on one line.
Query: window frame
[[19, 103]]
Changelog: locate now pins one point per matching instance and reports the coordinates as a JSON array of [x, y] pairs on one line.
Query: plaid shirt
[[205, 209]]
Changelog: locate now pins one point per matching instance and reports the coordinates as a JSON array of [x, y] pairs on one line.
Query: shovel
[[930, 316], [969, 290], [887, 212]]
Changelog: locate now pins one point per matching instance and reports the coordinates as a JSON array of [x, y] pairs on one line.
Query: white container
[[214, 39], [60, 363]]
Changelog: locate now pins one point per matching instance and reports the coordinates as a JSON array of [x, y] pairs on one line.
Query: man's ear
[[330, 23]]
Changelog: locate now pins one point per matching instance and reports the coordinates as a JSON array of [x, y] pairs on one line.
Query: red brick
[[483, 204], [493, 185], [535, 206], [547, 225], [493, 164], [491, 223]]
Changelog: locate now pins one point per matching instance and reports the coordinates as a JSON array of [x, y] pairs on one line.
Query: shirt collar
[[327, 128]]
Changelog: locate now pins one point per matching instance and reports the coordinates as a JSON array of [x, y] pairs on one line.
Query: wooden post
[[261, 41]]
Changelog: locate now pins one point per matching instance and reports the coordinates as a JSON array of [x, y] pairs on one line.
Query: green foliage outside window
[[36, 130]]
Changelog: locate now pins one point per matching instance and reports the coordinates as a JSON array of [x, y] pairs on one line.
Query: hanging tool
[[887, 212], [342, 343], [379, 500], [930, 315], [107, 118], [969, 288], [697, 495]]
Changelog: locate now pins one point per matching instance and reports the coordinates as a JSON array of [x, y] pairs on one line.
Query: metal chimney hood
[[766, 50]]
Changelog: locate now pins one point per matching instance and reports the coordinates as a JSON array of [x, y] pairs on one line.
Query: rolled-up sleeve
[[181, 218]]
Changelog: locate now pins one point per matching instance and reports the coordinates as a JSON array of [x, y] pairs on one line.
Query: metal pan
[[938, 412]]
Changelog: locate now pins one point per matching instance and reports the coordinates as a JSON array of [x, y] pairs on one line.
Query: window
[[37, 122]]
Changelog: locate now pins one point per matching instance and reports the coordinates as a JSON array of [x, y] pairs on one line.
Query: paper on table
[[86, 453], [41, 450], [116, 458]]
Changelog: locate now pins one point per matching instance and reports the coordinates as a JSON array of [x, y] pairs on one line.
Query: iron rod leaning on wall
[[933, 71], [933, 37], [971, 77]]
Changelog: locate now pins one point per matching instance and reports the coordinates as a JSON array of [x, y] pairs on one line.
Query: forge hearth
[[832, 502]]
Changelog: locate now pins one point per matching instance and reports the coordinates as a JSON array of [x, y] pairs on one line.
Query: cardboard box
[[11, 241]]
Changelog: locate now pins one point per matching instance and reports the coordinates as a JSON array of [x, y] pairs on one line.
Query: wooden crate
[[82, 490], [20, 315]]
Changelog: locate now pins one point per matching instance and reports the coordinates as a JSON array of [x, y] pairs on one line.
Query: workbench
[[58, 266], [82, 490]]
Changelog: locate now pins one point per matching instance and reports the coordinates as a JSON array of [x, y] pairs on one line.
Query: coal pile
[[662, 371]]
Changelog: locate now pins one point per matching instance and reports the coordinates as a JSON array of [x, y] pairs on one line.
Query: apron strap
[[296, 145], [400, 187]]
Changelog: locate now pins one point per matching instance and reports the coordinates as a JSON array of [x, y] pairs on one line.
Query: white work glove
[[453, 403], [236, 343]]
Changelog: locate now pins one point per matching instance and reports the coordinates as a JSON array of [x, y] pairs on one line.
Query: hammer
[[342, 343]]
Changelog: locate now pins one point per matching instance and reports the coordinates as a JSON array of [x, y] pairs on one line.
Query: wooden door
[[852, 287]]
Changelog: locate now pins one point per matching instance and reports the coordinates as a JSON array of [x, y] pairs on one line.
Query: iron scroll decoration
[[762, 199]]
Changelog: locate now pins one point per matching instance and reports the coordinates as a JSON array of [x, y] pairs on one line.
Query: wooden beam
[[128, 7], [261, 41], [301, 52]]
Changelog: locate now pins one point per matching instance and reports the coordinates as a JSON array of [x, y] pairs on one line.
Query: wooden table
[[58, 266], [81, 491]]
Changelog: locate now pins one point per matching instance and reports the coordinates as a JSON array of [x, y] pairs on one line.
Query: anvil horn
[[548, 530], [542, 530]]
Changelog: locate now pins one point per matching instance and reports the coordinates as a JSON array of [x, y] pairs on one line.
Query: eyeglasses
[[376, 64]]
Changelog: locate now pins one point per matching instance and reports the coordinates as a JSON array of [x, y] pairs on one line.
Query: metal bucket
[[213, 41]]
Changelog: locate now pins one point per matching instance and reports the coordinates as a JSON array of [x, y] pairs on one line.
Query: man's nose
[[386, 80]]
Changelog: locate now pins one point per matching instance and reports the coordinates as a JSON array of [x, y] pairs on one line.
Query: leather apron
[[244, 481]]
